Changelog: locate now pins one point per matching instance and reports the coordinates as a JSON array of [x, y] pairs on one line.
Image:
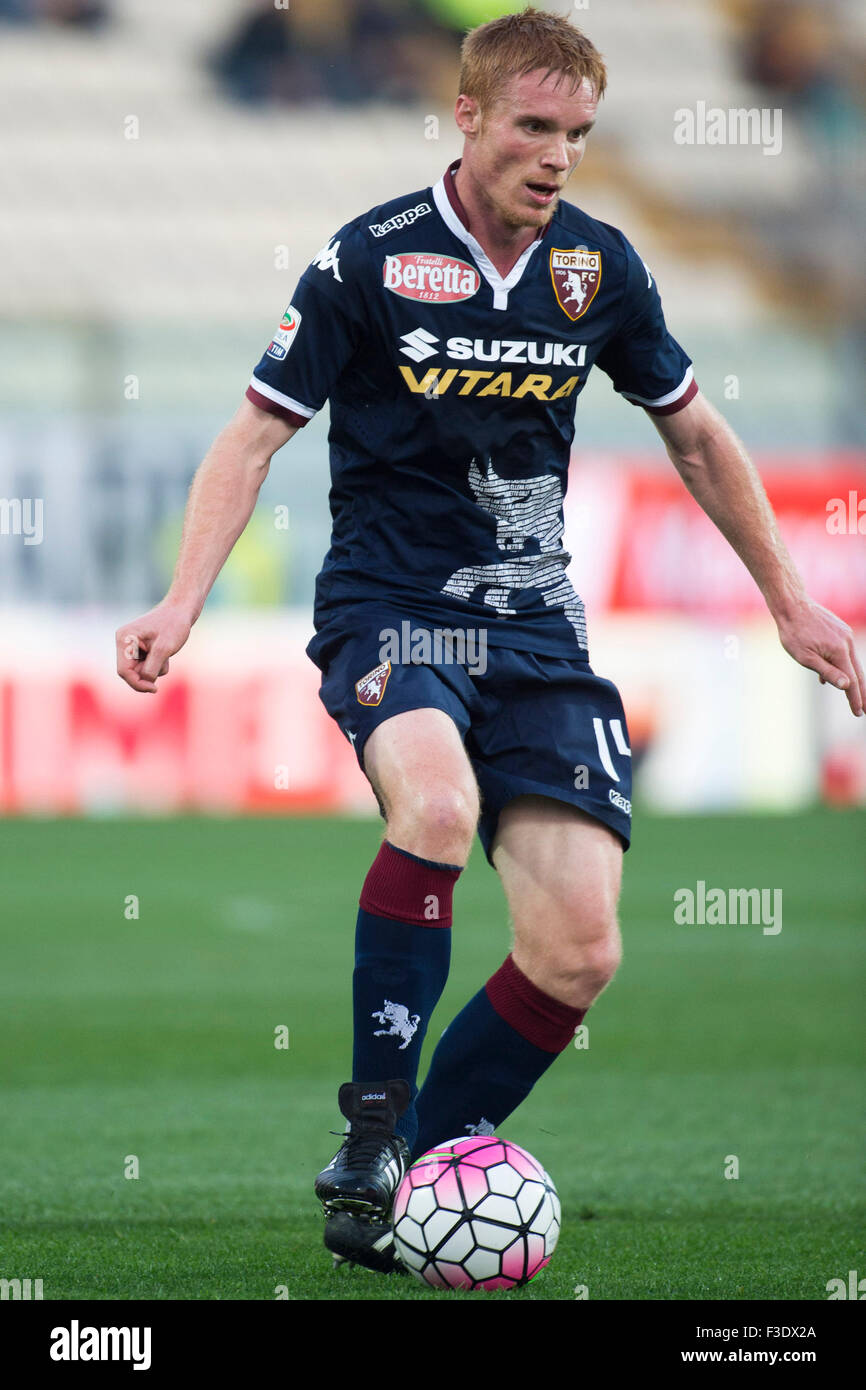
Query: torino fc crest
[[370, 688], [576, 277]]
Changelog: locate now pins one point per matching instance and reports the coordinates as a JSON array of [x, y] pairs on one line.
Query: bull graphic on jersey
[[528, 514], [576, 290], [401, 1023]]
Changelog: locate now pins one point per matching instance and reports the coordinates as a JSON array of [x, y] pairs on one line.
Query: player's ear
[[467, 114]]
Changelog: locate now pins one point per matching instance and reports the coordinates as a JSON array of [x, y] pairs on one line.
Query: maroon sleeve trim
[[688, 395], [273, 408]]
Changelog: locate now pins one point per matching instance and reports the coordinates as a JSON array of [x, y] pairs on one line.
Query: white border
[[499, 286], [671, 395], [286, 401]]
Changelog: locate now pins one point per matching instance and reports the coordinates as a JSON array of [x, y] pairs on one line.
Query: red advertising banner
[[221, 734], [669, 557]]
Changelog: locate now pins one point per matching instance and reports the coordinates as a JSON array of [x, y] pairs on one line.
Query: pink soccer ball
[[476, 1213]]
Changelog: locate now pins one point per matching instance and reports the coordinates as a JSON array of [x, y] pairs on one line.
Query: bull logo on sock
[[483, 1127], [402, 1024]]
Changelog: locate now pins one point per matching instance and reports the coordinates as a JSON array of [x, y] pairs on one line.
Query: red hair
[[516, 44]]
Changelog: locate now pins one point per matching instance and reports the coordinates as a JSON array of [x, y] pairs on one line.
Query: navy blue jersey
[[452, 393]]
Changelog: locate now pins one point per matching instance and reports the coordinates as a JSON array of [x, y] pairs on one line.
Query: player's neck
[[502, 243]]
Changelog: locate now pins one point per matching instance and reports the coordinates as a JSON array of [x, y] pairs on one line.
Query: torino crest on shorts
[[370, 688], [452, 393]]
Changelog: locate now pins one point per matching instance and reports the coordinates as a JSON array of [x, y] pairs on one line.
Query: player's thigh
[[419, 770], [561, 871]]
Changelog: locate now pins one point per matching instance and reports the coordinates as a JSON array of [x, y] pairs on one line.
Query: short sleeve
[[318, 335], [645, 363]]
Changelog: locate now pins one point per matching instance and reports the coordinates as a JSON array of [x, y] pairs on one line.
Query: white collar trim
[[499, 286]]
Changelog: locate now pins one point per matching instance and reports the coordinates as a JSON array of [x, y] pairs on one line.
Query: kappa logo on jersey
[[328, 259], [576, 277], [400, 219], [285, 334], [370, 688], [427, 275]]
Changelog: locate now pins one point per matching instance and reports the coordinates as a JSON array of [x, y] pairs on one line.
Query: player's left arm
[[717, 471]]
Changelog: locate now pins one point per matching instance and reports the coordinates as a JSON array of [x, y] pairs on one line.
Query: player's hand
[[820, 641], [145, 645]]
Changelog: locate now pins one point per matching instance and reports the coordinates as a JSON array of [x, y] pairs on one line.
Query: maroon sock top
[[408, 889], [536, 1016]]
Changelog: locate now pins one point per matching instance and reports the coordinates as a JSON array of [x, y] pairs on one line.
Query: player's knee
[[436, 821], [600, 958], [587, 963]]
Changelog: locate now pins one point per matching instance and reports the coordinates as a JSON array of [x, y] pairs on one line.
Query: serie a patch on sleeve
[[285, 334]]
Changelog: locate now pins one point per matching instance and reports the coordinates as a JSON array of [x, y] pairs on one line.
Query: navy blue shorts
[[531, 725]]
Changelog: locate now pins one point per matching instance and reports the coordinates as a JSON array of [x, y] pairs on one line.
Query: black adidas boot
[[368, 1242], [366, 1172], [357, 1188]]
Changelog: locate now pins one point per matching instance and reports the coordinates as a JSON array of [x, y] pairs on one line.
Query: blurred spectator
[[344, 51], [84, 14], [797, 51], [259, 46], [809, 60]]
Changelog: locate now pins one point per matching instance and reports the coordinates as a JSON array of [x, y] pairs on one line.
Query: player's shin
[[402, 955], [490, 1057]]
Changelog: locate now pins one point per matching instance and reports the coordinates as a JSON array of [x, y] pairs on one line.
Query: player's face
[[524, 149]]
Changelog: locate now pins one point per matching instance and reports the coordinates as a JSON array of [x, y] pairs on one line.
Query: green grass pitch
[[153, 1036]]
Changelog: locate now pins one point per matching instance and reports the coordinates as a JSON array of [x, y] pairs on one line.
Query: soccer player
[[452, 330]]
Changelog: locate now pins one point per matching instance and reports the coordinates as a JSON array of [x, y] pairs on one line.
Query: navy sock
[[402, 955], [488, 1060]]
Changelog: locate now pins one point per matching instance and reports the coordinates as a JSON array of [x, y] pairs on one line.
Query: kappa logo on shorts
[[616, 799], [370, 688], [576, 276]]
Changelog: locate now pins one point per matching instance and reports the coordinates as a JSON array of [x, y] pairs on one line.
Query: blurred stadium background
[[168, 170]]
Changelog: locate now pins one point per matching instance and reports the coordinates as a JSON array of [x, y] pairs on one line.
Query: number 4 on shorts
[[604, 748]]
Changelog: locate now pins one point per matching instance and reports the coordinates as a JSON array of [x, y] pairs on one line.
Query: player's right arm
[[221, 502], [318, 335]]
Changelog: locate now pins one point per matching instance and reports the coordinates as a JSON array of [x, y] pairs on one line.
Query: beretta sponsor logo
[[429, 276]]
